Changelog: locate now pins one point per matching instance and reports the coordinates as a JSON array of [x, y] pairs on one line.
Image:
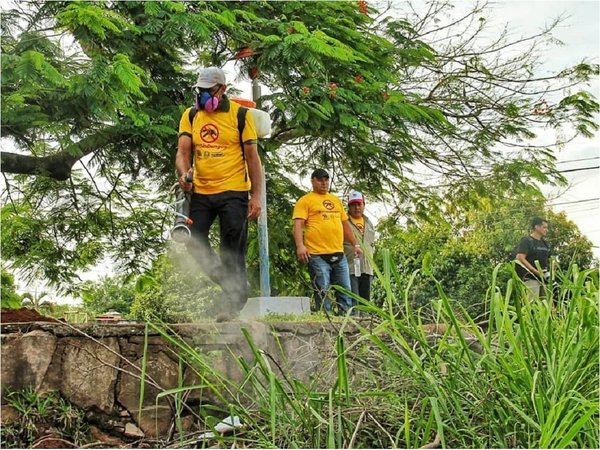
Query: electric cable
[[577, 160], [578, 169], [575, 201]]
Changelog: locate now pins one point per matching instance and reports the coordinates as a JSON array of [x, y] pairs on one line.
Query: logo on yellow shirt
[[328, 204], [209, 133]]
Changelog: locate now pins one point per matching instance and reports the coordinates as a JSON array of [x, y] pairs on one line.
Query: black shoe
[[226, 317]]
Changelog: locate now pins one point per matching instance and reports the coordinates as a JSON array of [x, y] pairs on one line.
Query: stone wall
[[97, 366]]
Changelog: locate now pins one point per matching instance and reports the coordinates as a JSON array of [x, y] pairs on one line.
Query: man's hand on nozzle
[[185, 181]]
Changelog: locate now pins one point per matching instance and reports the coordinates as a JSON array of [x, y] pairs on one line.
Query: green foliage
[[35, 300], [42, 303], [520, 382], [467, 242], [66, 234], [109, 294], [38, 413], [10, 298], [174, 290], [89, 21], [59, 311]]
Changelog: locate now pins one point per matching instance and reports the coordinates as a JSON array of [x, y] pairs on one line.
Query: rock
[[155, 420], [188, 423], [132, 431], [60, 356], [90, 372], [8, 415], [25, 359], [105, 438]]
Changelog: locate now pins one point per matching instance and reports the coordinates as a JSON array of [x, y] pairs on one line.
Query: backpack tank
[[262, 120]]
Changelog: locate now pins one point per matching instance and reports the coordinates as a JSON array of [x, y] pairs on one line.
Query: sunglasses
[[212, 91]]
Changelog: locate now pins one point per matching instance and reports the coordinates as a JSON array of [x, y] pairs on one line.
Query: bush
[[174, 291], [39, 415], [9, 297]]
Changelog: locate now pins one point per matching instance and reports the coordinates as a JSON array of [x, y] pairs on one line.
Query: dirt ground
[[23, 315]]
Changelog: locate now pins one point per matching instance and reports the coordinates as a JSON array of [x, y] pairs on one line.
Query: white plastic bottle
[[357, 271]]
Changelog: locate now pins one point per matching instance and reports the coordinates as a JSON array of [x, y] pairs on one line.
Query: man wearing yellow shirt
[[226, 172], [320, 227]]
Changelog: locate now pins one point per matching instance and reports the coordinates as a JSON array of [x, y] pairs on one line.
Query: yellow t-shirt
[[358, 223], [323, 231], [218, 162]]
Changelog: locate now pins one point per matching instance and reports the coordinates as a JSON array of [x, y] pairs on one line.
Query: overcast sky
[[580, 34]]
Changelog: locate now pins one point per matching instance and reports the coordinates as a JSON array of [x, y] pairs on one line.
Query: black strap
[[192, 114], [241, 123]]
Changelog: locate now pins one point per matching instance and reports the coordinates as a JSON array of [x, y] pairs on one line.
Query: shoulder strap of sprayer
[[241, 123]]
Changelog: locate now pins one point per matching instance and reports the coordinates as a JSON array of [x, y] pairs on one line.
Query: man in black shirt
[[534, 248]]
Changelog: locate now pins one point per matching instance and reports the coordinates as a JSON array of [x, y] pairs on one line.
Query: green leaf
[[128, 74]]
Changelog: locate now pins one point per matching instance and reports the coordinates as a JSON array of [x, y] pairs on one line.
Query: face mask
[[206, 101]]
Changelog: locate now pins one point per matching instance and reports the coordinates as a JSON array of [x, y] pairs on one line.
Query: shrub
[[37, 415]]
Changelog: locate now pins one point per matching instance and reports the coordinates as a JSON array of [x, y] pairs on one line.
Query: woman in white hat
[[361, 271]]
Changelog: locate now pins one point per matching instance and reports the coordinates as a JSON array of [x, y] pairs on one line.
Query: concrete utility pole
[[263, 232], [265, 304]]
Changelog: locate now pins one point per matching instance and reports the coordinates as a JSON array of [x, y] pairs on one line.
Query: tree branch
[[55, 166], [59, 165]]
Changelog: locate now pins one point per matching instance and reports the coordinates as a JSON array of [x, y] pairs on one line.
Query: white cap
[[355, 197], [210, 77]]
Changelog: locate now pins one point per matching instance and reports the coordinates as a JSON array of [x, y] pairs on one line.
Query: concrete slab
[[261, 306]]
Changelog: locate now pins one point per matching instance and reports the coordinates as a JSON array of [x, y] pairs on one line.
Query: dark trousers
[[228, 270], [361, 285]]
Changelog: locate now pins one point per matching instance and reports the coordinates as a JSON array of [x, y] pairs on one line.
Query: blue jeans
[[323, 275]]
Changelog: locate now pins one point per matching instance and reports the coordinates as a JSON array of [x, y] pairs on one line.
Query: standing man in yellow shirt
[[226, 181], [320, 226]]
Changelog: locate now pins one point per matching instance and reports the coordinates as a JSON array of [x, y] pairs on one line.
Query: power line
[[577, 160], [580, 210], [575, 201], [579, 169], [584, 215]]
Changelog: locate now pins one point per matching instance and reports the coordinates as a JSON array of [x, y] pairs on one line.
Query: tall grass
[[533, 381], [527, 379]]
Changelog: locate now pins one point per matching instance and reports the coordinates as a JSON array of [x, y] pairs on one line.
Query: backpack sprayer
[[181, 208]]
